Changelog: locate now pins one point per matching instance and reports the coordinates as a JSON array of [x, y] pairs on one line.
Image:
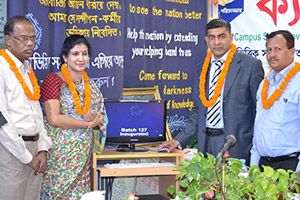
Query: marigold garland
[[87, 91], [221, 80], [36, 88], [267, 103]]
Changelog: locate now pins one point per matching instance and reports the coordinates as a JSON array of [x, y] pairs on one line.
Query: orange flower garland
[[267, 103], [87, 91], [36, 88], [221, 80]]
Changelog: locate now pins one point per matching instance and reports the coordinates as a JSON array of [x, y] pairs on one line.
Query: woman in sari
[[75, 118]]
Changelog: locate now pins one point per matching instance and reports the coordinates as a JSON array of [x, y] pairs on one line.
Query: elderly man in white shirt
[[23, 139]]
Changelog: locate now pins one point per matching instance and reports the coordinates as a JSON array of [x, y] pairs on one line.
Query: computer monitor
[[135, 121]]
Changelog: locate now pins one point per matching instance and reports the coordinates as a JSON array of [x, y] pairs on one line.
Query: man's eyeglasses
[[25, 39]]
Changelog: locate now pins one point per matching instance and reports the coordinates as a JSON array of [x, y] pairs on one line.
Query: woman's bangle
[[89, 126]]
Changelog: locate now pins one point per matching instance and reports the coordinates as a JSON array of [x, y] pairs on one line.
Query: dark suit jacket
[[239, 103]]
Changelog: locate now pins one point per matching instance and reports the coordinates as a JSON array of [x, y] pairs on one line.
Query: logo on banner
[[282, 8], [38, 29], [230, 9]]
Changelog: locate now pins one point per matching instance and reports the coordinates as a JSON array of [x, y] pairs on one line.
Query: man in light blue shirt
[[276, 140]]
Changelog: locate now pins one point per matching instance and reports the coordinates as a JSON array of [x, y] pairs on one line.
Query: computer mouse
[[163, 150]]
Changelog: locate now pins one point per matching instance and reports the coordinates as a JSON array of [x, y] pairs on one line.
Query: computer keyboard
[[138, 165]]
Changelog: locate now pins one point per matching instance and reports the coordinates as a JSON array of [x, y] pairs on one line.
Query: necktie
[[213, 112]]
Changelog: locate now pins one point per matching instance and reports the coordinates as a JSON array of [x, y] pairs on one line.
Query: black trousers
[[290, 163]]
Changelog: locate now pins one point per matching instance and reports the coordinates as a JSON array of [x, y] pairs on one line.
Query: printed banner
[[99, 21], [251, 20], [164, 40], [146, 43]]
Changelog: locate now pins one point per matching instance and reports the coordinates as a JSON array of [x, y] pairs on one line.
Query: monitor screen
[[135, 121]]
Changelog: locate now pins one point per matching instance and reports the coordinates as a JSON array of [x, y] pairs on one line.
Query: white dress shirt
[[24, 116], [220, 124]]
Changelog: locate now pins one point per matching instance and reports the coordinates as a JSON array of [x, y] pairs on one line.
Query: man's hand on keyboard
[[171, 145]]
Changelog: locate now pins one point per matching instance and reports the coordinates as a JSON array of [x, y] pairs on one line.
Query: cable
[[135, 180], [109, 187], [134, 185], [216, 169]]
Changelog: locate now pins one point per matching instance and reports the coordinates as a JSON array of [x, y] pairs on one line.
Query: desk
[[167, 175]]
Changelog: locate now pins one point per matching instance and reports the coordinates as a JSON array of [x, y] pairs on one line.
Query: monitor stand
[[132, 148]]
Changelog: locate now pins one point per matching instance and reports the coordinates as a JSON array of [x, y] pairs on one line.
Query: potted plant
[[198, 180]]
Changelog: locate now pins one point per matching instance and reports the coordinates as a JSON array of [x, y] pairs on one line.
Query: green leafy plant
[[198, 179], [271, 184]]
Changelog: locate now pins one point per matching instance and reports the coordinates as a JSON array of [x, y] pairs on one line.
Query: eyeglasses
[[25, 39]]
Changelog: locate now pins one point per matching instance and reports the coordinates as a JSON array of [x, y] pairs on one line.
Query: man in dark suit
[[224, 96]]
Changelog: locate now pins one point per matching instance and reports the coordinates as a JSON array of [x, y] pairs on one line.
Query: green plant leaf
[[268, 171], [275, 176], [293, 174], [282, 172], [236, 167], [204, 188], [184, 183], [192, 176], [259, 193], [249, 187], [181, 175], [194, 168], [297, 188], [198, 157], [181, 195], [258, 180], [265, 184], [171, 189], [283, 186], [180, 167], [192, 191], [208, 174], [183, 164], [253, 171], [271, 190], [274, 197]]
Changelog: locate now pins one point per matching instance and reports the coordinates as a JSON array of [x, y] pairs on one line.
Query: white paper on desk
[[189, 154], [94, 195]]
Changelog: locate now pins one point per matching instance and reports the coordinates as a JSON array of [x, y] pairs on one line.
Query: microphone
[[229, 142]]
